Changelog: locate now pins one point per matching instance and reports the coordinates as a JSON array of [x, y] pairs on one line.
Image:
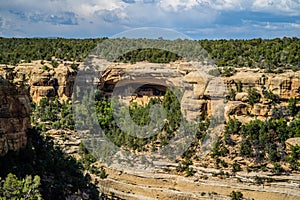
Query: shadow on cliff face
[[61, 175], [14, 116]]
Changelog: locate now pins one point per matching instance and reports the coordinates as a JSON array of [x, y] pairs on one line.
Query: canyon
[[35, 81]]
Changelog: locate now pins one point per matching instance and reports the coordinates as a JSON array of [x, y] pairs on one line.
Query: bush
[[231, 95], [246, 148], [228, 71], [219, 149], [74, 66], [239, 86], [190, 172], [292, 106], [273, 97], [45, 68], [277, 169], [295, 152], [54, 63], [14, 188], [254, 96], [103, 173], [236, 195], [236, 167], [233, 126]]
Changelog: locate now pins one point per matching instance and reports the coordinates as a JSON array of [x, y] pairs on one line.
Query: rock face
[[14, 116], [198, 96], [143, 80], [42, 79], [45, 81], [292, 142], [285, 85]]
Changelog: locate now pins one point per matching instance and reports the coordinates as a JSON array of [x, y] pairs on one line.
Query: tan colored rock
[[242, 96], [292, 142], [195, 78], [260, 109], [236, 108], [199, 90], [43, 83]]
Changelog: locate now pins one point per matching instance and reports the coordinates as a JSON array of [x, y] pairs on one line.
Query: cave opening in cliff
[[148, 89], [151, 90]]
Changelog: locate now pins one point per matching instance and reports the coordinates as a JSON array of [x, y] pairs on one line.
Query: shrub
[[254, 96], [239, 86], [45, 68], [295, 152], [233, 126], [277, 169], [74, 66], [292, 106], [236, 167], [103, 173], [236, 195], [54, 63], [273, 97], [228, 71], [14, 188], [231, 95]]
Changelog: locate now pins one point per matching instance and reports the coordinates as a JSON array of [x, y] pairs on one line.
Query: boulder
[[236, 108], [242, 96], [292, 142], [260, 109]]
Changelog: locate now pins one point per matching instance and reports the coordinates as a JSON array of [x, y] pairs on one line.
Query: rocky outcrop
[[286, 85], [42, 79], [158, 77], [14, 116], [198, 94], [292, 142]]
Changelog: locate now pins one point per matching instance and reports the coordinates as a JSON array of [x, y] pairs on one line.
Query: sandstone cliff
[[14, 116], [200, 87], [42, 79]]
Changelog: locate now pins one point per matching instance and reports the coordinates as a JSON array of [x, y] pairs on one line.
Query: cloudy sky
[[199, 19]]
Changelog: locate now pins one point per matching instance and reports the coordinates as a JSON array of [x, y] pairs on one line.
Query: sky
[[198, 19]]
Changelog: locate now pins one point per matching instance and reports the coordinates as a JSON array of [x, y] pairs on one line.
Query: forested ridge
[[262, 53], [13, 50]]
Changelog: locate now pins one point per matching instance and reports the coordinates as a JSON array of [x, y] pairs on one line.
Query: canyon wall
[[197, 98], [14, 116], [19, 84], [42, 79]]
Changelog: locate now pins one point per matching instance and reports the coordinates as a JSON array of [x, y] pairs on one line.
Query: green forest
[[261, 53]]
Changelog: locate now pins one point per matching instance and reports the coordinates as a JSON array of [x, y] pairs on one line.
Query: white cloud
[[89, 8], [230, 4], [105, 18], [290, 7], [178, 5]]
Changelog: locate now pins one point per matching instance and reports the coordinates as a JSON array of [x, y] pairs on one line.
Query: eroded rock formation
[[199, 94], [45, 81], [14, 116], [42, 79]]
